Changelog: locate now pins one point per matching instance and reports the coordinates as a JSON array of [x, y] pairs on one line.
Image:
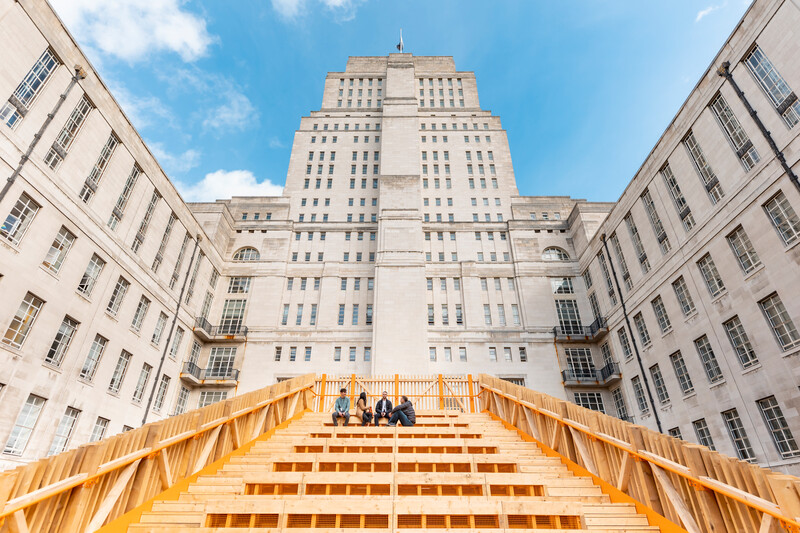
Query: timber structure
[[485, 454]]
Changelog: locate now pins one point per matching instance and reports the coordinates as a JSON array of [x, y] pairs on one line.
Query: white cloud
[[142, 111], [174, 163], [704, 12], [134, 29], [343, 10], [274, 142], [235, 114], [226, 184]]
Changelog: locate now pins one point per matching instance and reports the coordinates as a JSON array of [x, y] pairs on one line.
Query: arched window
[[246, 254], [555, 254]]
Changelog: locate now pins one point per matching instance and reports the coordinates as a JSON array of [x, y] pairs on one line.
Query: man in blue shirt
[[341, 408]]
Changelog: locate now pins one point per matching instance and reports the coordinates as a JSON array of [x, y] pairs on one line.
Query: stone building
[[400, 245]]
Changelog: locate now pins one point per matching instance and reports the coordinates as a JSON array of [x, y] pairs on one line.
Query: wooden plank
[[261, 419], [112, 496], [625, 472], [583, 451], [43, 493], [164, 471], [676, 500], [708, 503], [207, 449], [16, 523]]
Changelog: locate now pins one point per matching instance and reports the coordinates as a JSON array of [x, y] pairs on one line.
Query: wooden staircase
[[451, 471]]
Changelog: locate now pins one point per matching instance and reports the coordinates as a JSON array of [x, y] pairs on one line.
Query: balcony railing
[[576, 332], [592, 376], [222, 332], [194, 374]]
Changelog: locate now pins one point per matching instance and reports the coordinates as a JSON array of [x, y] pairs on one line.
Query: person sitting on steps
[[403, 413], [341, 408], [363, 412], [382, 408]]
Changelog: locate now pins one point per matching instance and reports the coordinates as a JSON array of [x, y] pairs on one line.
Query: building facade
[[400, 245]]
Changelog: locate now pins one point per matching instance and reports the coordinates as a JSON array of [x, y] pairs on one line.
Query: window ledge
[[114, 394], [718, 298], [49, 272], [792, 351], [793, 245], [83, 296], [85, 382], [753, 273], [8, 245], [718, 384], [666, 333], [690, 395], [752, 369], [15, 352], [51, 366], [112, 317], [690, 316]]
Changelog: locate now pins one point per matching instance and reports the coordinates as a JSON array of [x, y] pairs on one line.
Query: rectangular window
[[638, 393], [307, 356], [445, 315], [313, 319], [709, 360], [773, 84], [68, 133], [145, 223], [658, 382], [492, 353], [176, 271], [459, 315], [743, 250], [161, 323], [677, 198], [612, 296], [93, 358], [515, 314], [683, 296], [61, 342], [355, 314], [432, 354], [141, 383], [23, 427], [625, 343], [501, 314], [655, 221], [675, 432], [740, 342], [64, 431], [783, 217], [141, 311], [232, 320], [703, 434], [19, 219], [239, 285], [462, 354], [211, 397], [337, 353], [780, 321], [299, 319], [619, 403], [23, 96], [661, 314], [778, 427], [623, 265], [117, 295], [590, 400], [711, 275], [23, 321], [637, 243], [352, 353], [93, 180], [562, 286], [163, 387], [120, 370], [580, 363], [507, 354], [641, 329], [119, 208], [180, 403], [703, 168], [738, 435], [58, 250], [682, 373], [176, 343], [740, 142], [569, 319], [487, 315], [89, 278]]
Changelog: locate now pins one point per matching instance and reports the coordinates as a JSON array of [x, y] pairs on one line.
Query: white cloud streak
[[175, 163], [705, 12], [342, 10], [132, 30], [226, 184]]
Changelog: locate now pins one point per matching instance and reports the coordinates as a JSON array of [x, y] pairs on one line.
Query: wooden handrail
[[146, 443], [700, 482]]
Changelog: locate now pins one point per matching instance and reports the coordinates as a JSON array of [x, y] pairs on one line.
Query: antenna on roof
[[400, 44]]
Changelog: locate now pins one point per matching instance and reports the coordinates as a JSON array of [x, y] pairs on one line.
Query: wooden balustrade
[[425, 392], [81, 489], [687, 483]]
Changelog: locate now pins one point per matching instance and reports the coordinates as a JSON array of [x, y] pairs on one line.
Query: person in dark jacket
[[403, 413], [383, 408]]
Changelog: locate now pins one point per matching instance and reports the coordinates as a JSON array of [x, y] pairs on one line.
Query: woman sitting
[[363, 412]]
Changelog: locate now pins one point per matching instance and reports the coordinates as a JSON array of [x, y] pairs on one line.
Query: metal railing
[[591, 331], [591, 374], [203, 374], [223, 330]]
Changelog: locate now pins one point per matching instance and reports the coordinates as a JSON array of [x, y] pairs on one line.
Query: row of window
[[32, 409], [329, 183], [335, 139], [544, 215], [356, 126], [476, 138], [453, 126]]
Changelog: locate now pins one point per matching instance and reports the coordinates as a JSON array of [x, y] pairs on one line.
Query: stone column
[[400, 332]]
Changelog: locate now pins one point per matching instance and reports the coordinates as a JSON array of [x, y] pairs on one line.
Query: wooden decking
[[451, 471]]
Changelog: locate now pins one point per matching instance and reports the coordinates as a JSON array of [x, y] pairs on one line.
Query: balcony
[[607, 375], [233, 331], [194, 375], [577, 333]]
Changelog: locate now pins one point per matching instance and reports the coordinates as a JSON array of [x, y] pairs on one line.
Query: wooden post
[[352, 389], [712, 516], [139, 489], [76, 506], [471, 394], [396, 388], [112, 496], [321, 400], [786, 496], [600, 452], [441, 393], [676, 500], [649, 488]]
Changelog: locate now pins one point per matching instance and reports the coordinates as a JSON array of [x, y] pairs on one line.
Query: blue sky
[[584, 87]]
